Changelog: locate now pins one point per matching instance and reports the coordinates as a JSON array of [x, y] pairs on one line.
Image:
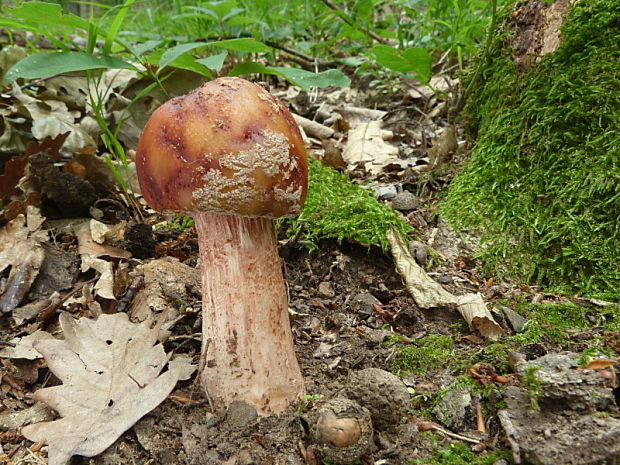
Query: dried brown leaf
[[110, 369]]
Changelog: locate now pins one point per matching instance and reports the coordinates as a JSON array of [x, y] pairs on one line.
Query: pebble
[[386, 192], [364, 303], [419, 252], [326, 290], [516, 321], [405, 201]]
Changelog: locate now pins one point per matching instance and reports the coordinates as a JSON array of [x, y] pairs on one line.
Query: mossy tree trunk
[[542, 186]]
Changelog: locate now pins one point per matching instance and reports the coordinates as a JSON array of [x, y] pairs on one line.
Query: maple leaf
[[110, 372]]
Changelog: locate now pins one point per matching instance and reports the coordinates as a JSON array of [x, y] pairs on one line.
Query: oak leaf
[[110, 369]]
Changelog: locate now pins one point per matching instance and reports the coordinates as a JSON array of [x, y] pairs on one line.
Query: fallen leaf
[[429, 293], [22, 251], [23, 346], [425, 291], [110, 369], [599, 364], [475, 312], [366, 145]]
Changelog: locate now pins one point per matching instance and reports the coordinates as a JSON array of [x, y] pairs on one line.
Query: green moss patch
[[542, 187], [424, 356], [458, 454], [338, 209]]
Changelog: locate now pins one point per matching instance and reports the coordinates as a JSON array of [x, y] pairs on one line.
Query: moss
[[338, 209], [542, 187], [424, 356], [458, 454], [551, 323], [533, 385]]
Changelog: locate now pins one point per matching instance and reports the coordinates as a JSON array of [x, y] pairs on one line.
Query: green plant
[[542, 187]]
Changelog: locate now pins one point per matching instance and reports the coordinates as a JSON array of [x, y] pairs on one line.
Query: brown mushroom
[[231, 155]]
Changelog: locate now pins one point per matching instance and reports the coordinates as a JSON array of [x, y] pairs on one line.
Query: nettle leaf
[[411, 60], [214, 62], [50, 64], [299, 77]]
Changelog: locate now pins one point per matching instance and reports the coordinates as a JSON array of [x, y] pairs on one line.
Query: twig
[[430, 426], [352, 23]]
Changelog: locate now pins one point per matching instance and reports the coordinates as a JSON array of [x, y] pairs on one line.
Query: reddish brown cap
[[228, 147]]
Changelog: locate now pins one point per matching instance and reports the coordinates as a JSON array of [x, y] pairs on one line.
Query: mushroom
[[230, 155]]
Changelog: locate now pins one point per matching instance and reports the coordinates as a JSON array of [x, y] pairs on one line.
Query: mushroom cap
[[228, 147]]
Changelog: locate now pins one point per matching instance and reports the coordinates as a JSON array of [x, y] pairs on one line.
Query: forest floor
[[542, 389]]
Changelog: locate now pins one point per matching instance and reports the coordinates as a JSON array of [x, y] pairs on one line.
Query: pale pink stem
[[250, 354]]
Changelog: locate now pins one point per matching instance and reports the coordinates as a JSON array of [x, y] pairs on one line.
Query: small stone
[[386, 192], [240, 414], [516, 321], [364, 303], [405, 201], [419, 252], [326, 290]]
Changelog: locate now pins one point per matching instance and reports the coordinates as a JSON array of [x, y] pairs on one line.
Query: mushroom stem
[[246, 330]]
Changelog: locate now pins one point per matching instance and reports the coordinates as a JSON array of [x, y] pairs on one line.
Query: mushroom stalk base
[[247, 336]]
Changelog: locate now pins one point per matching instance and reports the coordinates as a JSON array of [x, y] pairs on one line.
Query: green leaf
[[185, 61], [214, 62], [50, 64], [172, 54], [411, 60], [299, 77], [46, 13], [244, 44], [421, 61], [116, 24], [251, 67]]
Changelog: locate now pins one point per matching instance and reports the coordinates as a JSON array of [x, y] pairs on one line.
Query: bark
[[247, 336]]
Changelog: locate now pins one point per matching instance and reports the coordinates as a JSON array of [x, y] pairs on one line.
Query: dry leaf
[[475, 312], [425, 291], [599, 364], [366, 145], [21, 250], [110, 372], [23, 347], [428, 293]]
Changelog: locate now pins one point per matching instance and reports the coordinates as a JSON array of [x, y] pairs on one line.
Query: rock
[[454, 408], [405, 201], [364, 303], [516, 321], [240, 414], [386, 192], [326, 290], [561, 383], [419, 252], [341, 430], [566, 417], [382, 393]]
